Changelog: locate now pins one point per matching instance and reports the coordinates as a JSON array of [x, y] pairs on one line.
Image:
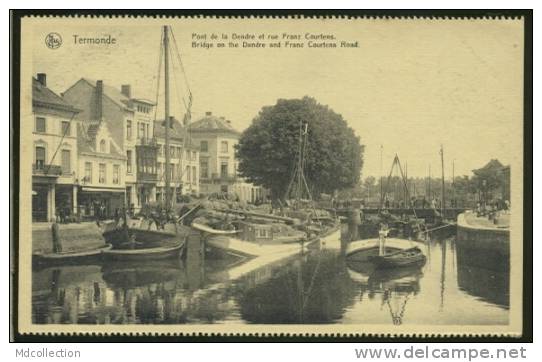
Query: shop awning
[[102, 189]]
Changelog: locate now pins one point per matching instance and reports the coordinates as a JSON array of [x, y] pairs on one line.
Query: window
[[40, 158], [171, 171], [66, 161], [66, 128], [204, 146], [147, 133], [204, 169], [102, 173], [102, 146], [141, 133], [128, 129], [171, 151], [129, 161], [262, 233], [41, 125], [179, 152], [194, 175], [116, 174], [88, 172], [188, 173], [224, 146], [224, 169]]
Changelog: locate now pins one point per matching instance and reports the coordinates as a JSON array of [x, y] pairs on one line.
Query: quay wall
[[480, 237], [73, 237]]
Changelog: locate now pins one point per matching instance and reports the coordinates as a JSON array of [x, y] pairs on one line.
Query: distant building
[[494, 181], [54, 166], [102, 170], [184, 160], [217, 163], [130, 123]]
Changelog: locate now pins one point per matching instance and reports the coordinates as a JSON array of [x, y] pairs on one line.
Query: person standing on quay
[[57, 245]]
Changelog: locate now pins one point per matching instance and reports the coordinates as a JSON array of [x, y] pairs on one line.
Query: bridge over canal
[[428, 214]]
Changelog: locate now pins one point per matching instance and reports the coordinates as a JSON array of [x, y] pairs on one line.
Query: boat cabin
[[268, 232]]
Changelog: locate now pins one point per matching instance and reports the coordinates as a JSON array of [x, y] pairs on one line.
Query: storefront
[[43, 198], [100, 202], [65, 202], [40, 202]]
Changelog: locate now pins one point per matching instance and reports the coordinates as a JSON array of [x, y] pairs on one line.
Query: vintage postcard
[[253, 175]]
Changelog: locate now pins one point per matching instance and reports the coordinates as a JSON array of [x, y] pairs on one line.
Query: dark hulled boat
[[401, 258]]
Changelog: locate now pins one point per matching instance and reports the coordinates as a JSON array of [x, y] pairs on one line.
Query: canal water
[[457, 286]]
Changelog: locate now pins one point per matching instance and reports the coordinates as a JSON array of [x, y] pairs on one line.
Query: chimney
[[42, 78], [171, 121], [126, 89], [228, 121], [208, 113], [99, 96]]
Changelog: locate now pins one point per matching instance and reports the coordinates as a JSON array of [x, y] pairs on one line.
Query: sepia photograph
[[271, 175]]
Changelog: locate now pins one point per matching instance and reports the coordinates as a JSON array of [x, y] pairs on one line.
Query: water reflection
[[393, 287], [311, 289], [483, 274], [457, 285]]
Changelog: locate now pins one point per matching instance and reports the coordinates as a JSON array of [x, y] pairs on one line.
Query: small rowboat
[[210, 230], [71, 256], [401, 258]]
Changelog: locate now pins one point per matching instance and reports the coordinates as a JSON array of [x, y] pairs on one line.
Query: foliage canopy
[[268, 149]]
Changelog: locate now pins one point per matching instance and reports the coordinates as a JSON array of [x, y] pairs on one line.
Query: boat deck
[[471, 221], [252, 248], [248, 248], [393, 243]]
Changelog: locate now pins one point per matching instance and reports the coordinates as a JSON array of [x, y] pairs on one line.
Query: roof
[[177, 131], [211, 123], [112, 93], [492, 165], [143, 100], [41, 95]]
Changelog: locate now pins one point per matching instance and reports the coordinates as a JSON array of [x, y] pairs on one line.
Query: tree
[[268, 149]]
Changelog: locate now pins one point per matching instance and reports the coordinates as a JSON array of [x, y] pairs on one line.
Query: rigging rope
[[60, 143], [158, 79], [180, 61], [397, 163]]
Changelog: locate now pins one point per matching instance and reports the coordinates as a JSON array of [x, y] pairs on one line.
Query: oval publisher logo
[[53, 40]]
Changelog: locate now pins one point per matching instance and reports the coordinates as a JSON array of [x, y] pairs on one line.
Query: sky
[[410, 87]]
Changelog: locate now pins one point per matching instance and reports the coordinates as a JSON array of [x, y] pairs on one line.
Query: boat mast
[[430, 196], [442, 191], [453, 183], [405, 196], [166, 114], [381, 180]]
